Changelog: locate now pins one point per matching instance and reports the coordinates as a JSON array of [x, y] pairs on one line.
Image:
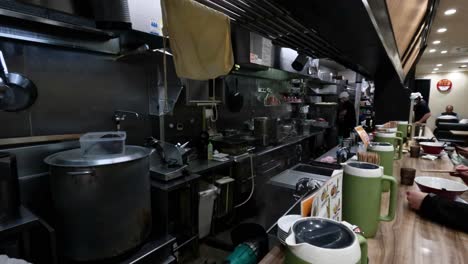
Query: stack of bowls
[[284, 226]]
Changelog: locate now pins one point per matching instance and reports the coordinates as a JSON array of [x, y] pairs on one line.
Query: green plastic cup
[[405, 128], [391, 138], [362, 194], [386, 153]]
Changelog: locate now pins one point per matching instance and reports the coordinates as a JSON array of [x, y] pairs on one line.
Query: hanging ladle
[[16, 91]]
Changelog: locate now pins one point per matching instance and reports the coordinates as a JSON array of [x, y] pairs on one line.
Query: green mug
[[386, 153], [391, 138], [362, 194], [394, 130], [405, 128]]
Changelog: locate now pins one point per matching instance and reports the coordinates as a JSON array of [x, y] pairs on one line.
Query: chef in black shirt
[[421, 111], [346, 115]]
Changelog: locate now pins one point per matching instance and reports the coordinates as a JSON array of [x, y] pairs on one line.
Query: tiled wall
[[78, 92]]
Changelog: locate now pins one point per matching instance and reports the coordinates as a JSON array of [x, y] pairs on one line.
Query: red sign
[[444, 85]]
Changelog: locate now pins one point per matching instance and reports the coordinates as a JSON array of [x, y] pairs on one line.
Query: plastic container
[[205, 209], [210, 151], [103, 143]]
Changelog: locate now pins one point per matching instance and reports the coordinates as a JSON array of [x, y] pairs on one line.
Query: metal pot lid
[[73, 157]]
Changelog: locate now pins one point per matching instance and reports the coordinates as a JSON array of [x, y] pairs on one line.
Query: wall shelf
[[37, 27]]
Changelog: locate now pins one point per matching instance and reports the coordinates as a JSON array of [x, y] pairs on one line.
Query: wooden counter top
[[410, 238]]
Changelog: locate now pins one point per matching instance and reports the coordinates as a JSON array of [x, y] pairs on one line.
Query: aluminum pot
[[102, 205]]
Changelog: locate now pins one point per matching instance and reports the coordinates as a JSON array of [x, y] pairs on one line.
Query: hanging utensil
[[235, 99], [16, 91], [6, 93]]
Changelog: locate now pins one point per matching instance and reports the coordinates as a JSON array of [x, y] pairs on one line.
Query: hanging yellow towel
[[200, 39]]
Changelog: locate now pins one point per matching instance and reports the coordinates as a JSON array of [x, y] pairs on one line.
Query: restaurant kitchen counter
[[287, 142], [202, 165], [409, 238]]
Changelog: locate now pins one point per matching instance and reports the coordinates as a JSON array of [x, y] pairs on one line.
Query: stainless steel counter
[[201, 166], [288, 142], [332, 152]]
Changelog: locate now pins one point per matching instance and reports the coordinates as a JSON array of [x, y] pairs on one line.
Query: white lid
[[386, 134], [381, 146], [363, 169]]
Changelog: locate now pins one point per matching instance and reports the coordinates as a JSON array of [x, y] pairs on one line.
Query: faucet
[[120, 115]]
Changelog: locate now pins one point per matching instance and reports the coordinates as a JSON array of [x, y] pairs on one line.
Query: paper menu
[[306, 206], [363, 135], [326, 202]]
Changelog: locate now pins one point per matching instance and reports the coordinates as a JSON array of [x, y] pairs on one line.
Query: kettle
[[315, 240]]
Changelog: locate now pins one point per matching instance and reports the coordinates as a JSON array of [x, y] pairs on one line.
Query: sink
[[313, 170], [289, 178]]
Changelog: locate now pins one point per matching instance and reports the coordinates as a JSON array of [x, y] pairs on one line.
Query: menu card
[[325, 202], [363, 135]]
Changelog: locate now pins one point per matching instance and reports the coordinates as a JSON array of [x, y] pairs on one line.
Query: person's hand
[[418, 122], [462, 172], [415, 199]]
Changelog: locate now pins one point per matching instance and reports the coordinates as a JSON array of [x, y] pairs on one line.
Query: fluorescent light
[[436, 42], [441, 30], [438, 65], [436, 69], [450, 12], [463, 66], [432, 50], [433, 72], [443, 52]]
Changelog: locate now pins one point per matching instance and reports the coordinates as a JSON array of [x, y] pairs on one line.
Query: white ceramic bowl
[[440, 186], [286, 222], [447, 117]]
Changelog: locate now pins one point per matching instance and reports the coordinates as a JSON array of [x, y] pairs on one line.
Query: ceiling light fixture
[[433, 72], [463, 66], [438, 65], [450, 12], [441, 30], [432, 50], [436, 42], [436, 69], [443, 52]]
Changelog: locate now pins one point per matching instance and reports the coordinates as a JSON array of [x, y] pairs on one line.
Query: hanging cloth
[[200, 39]]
